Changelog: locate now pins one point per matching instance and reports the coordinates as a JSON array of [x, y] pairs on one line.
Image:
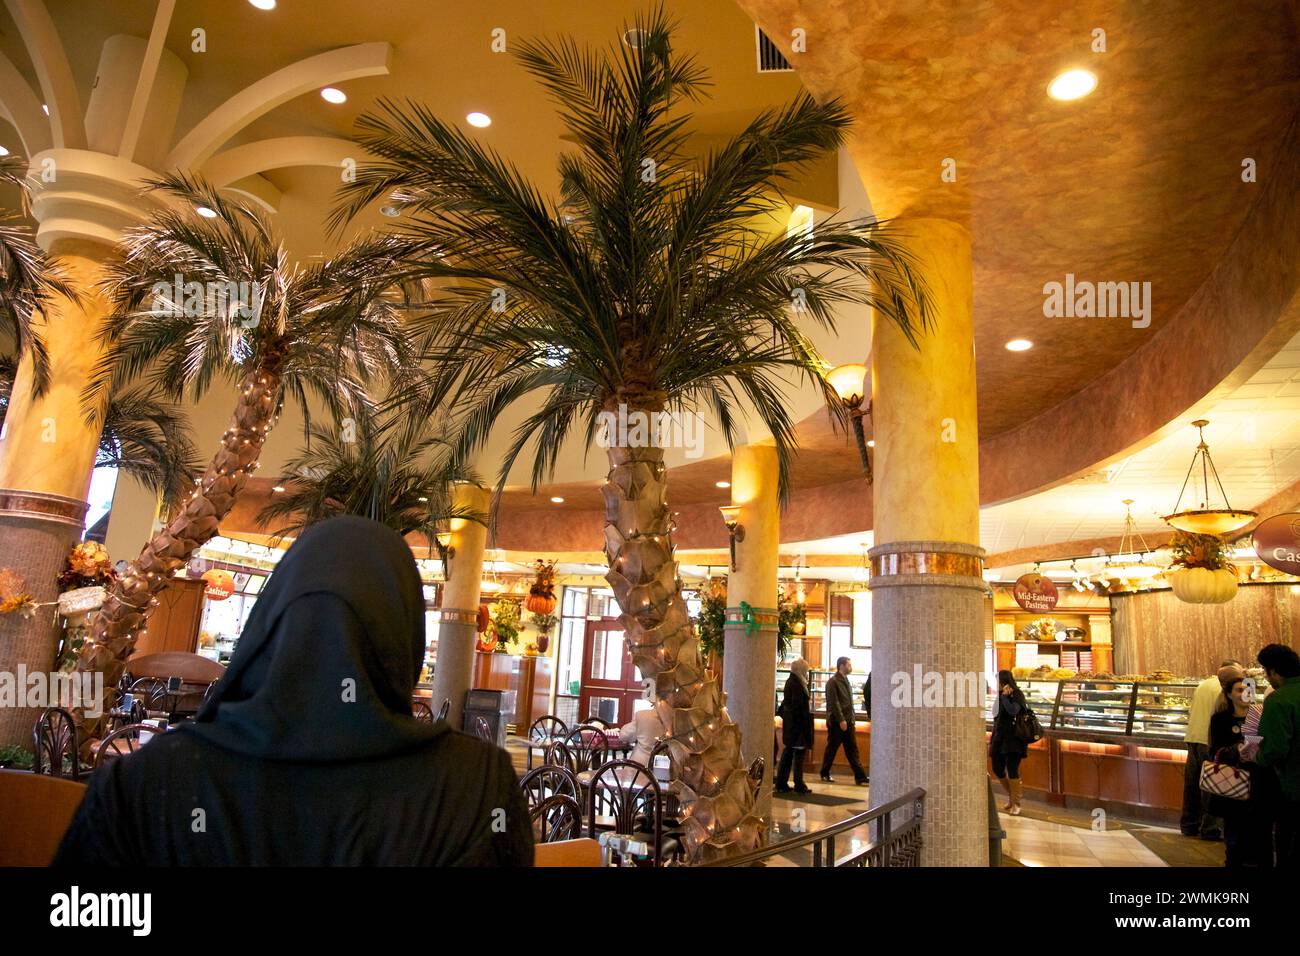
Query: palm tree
[[143, 438], [650, 286], [387, 471], [27, 278], [197, 299]]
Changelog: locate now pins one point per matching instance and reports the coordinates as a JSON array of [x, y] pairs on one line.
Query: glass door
[[611, 685]]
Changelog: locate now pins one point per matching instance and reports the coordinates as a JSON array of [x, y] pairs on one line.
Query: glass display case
[[1039, 694], [1097, 706], [1161, 709], [1119, 707], [817, 679]]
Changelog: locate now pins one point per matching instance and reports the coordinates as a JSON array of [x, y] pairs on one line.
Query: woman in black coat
[[796, 728], [1247, 824], [1005, 748]]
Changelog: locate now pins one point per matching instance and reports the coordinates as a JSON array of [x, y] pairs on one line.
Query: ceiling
[[1141, 181]]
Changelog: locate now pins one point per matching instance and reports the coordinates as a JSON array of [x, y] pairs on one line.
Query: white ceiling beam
[[284, 151], [148, 76], [21, 107], [68, 126], [258, 99]]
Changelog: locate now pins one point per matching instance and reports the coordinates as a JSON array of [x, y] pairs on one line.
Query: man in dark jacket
[[839, 723]]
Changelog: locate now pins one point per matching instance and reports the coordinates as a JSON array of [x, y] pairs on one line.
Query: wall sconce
[[850, 384], [735, 530], [446, 552]]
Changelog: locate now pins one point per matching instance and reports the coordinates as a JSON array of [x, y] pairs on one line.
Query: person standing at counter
[[1247, 824], [1197, 819], [1279, 726], [796, 728], [839, 723], [1005, 748]]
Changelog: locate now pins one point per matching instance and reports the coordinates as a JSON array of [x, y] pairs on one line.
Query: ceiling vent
[[770, 57]]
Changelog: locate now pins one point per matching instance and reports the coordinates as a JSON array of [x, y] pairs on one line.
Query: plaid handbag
[[1224, 780]]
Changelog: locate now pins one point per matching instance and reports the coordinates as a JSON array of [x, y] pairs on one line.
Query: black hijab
[[329, 657]]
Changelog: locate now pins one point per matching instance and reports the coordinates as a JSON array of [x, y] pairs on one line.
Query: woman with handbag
[[1237, 788], [796, 729], [1006, 748]]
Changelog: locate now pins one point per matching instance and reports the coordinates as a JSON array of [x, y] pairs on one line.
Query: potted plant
[[1201, 571], [544, 624], [505, 619]]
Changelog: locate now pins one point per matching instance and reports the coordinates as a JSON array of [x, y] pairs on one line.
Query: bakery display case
[[817, 679]]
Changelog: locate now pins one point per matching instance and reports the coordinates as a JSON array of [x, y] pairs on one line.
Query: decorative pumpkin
[[1203, 586], [541, 595]]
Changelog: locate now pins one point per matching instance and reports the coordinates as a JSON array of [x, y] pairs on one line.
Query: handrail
[[915, 798]]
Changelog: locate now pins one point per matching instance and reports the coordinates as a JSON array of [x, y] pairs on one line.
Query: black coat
[[307, 753], [1004, 739], [839, 701], [796, 715]]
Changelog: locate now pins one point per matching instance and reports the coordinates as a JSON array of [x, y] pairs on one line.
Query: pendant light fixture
[[1129, 564], [1205, 519]]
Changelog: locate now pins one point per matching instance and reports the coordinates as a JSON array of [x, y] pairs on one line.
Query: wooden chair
[[624, 797], [546, 781], [442, 711], [569, 853], [558, 754], [483, 730], [556, 818], [54, 740], [421, 710], [120, 743], [37, 811], [543, 732]]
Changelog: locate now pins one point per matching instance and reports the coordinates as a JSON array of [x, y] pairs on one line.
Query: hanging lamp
[[1207, 520], [1129, 563]]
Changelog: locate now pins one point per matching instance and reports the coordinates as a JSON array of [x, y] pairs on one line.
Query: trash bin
[[996, 833], [491, 705]]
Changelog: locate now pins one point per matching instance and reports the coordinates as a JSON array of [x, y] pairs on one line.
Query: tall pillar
[[46, 455], [749, 671], [454, 671], [927, 727]]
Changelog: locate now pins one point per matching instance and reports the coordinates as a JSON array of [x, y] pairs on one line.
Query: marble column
[[749, 670], [454, 670], [927, 726]]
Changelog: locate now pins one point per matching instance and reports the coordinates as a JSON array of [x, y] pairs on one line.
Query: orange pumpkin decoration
[[541, 595]]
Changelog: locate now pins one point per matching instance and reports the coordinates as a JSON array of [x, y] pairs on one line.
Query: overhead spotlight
[[1019, 345], [263, 4], [331, 95], [205, 212], [1072, 85], [481, 120], [722, 484], [557, 500]]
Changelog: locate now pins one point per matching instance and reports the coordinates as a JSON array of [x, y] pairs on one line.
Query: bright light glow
[[849, 382], [332, 95], [871, 443], [1072, 85], [556, 500], [205, 212], [3, 151], [1019, 345], [263, 4], [722, 484], [392, 212], [481, 120], [46, 108], [278, 488]]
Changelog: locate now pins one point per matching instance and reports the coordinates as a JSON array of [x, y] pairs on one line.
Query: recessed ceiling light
[[3, 151], [46, 108], [871, 443], [424, 501], [1019, 345], [392, 212], [1072, 85], [205, 212], [278, 488], [633, 38], [557, 500], [332, 95], [481, 120], [263, 4], [722, 484]]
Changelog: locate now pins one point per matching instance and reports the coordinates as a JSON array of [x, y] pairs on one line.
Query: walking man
[[839, 723]]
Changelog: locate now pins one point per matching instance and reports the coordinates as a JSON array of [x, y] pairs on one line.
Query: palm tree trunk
[[709, 777], [131, 598]]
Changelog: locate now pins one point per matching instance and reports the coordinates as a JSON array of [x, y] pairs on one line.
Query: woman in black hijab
[[307, 753]]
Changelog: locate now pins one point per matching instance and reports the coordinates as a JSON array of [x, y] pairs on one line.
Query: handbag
[[1225, 780], [1026, 726]]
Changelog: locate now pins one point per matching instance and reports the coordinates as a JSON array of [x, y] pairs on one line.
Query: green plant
[[544, 622], [710, 623], [663, 280], [19, 758], [1207, 551], [506, 619]]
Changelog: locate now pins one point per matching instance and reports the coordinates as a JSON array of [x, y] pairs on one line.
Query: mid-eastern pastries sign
[[1034, 592], [1277, 542]]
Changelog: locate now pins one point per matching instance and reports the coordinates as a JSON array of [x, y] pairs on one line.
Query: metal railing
[[891, 844]]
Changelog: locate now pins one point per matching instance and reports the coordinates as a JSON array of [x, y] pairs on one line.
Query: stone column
[[749, 671], [46, 456], [454, 670], [927, 727]]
